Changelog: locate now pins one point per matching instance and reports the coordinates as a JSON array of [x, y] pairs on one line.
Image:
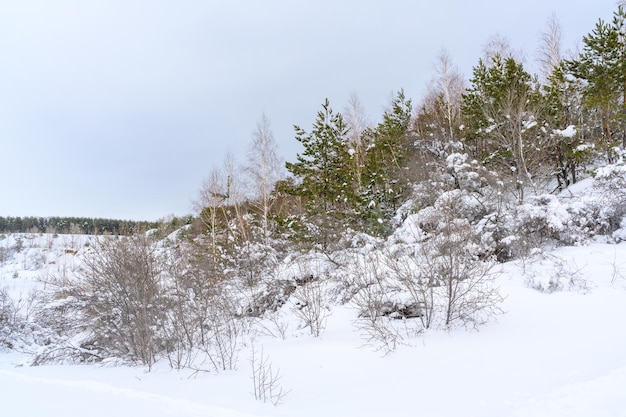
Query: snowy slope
[[551, 354]]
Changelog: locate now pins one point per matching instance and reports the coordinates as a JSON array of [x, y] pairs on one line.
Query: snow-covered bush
[[437, 278], [620, 234], [540, 221], [271, 295], [136, 300], [19, 325], [468, 175], [458, 280], [309, 305], [563, 275], [6, 253], [9, 321], [376, 302], [204, 327], [457, 173], [610, 184], [544, 221], [115, 307]]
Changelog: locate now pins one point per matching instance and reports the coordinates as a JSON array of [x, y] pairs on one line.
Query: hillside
[[552, 343]]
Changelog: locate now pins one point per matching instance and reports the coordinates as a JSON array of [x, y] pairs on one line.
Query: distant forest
[[78, 225]]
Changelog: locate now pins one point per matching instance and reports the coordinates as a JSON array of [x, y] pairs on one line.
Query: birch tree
[[357, 124], [439, 117], [549, 50], [450, 85], [264, 168]]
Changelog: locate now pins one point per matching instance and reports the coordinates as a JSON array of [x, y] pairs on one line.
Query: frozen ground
[[551, 354]]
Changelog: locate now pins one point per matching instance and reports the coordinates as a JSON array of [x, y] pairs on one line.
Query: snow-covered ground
[[551, 354]]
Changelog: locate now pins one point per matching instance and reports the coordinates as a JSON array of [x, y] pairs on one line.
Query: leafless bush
[[459, 281], [442, 279], [277, 327], [265, 381], [222, 341], [610, 183], [405, 270], [309, 306], [561, 275], [135, 300], [371, 296], [19, 327], [29, 304], [618, 271], [204, 330], [6, 253], [9, 322], [181, 322], [118, 300]]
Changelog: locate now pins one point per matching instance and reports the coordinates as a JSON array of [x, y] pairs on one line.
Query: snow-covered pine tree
[[385, 171], [602, 68], [503, 115], [323, 178]]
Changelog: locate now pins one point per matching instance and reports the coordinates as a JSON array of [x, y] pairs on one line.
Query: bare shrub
[[222, 342], [460, 281], [561, 275], [618, 271], [116, 303], [415, 284], [441, 279], [265, 380], [277, 326], [309, 306], [204, 330], [371, 298], [19, 327], [9, 321], [6, 253], [610, 183]]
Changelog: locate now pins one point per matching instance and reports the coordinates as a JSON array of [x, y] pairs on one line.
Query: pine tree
[[323, 179], [502, 111], [385, 176], [563, 106], [602, 68]]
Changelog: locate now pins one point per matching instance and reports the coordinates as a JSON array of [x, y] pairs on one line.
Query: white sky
[[120, 108]]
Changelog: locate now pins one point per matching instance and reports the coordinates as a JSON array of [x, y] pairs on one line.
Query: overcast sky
[[120, 108]]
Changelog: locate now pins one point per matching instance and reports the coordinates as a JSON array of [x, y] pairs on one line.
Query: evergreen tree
[[503, 115], [385, 172], [563, 105], [323, 179], [602, 68]]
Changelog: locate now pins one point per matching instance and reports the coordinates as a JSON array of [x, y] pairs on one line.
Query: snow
[[620, 234], [529, 124], [568, 132], [79, 391], [550, 354]]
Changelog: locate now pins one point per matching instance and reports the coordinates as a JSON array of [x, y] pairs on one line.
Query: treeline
[[75, 225], [526, 134]]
